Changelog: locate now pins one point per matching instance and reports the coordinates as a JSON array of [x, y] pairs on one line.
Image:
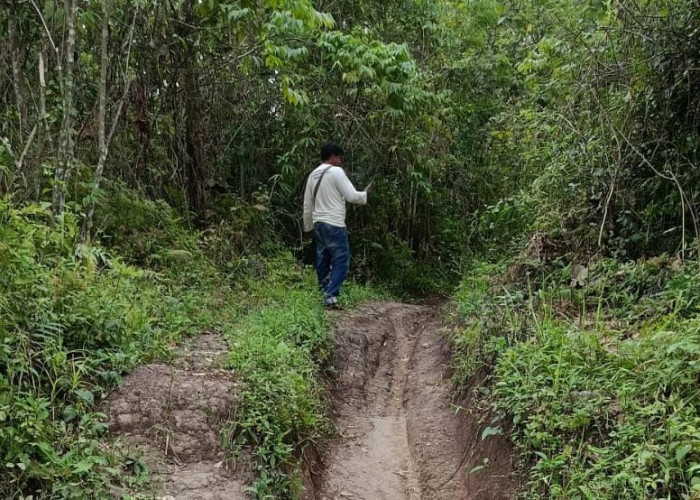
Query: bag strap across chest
[[318, 185]]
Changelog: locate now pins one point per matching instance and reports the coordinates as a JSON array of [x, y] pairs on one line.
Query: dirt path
[[400, 435], [172, 415]]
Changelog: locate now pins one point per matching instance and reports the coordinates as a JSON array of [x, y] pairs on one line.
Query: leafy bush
[[145, 231], [606, 422]]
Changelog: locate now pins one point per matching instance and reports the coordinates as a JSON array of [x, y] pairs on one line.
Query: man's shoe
[[332, 303]]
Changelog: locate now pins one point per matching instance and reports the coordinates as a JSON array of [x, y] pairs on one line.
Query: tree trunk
[[16, 70], [105, 140], [241, 174], [66, 136], [42, 121], [101, 117], [142, 129], [195, 168]]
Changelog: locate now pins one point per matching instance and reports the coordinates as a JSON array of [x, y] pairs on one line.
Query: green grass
[[603, 402]]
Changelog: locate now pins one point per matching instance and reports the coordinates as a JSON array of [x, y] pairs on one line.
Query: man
[[327, 190]]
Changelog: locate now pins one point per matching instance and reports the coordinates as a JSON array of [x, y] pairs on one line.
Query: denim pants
[[332, 257]]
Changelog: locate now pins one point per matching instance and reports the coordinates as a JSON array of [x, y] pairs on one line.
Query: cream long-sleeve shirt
[[335, 189]]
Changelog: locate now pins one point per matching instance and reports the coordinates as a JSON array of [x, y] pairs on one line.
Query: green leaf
[[587, 492], [236, 14], [82, 466], [491, 431], [85, 395], [682, 452]]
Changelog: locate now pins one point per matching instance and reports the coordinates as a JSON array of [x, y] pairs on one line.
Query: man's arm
[[348, 191], [308, 208]]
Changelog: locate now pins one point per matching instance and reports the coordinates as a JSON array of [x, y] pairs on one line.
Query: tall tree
[[17, 76], [105, 140]]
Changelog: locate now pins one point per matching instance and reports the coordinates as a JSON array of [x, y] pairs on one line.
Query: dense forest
[[535, 162]]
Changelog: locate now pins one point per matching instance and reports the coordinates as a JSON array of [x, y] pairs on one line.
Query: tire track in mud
[[400, 436]]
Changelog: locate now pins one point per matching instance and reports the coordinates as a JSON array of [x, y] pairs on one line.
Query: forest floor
[[401, 434]]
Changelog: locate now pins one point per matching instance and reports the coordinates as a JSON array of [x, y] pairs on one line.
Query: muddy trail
[[399, 434]]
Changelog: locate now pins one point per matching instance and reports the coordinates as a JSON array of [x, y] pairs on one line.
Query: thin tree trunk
[[45, 134], [195, 146], [241, 173], [195, 173], [143, 129], [23, 156], [66, 136], [16, 70], [20, 171], [101, 117], [105, 140]]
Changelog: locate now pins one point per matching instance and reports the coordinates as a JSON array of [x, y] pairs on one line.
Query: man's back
[[331, 194]]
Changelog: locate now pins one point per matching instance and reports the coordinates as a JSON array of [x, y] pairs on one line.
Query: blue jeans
[[332, 257]]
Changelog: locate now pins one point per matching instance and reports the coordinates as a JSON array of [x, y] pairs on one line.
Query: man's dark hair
[[329, 149]]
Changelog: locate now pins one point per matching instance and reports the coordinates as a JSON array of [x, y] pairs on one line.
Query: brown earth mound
[[173, 414]]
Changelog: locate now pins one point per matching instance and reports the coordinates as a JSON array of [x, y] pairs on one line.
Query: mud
[[172, 415], [401, 436]]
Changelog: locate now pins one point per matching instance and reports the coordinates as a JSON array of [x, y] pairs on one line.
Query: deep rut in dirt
[[400, 436]]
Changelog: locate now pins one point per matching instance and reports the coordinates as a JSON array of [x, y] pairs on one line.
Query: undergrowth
[[597, 371], [74, 319]]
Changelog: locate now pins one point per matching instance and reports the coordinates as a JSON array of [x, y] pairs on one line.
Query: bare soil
[[401, 436], [172, 415]]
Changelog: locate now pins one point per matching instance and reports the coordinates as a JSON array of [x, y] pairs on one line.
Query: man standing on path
[[327, 190]]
